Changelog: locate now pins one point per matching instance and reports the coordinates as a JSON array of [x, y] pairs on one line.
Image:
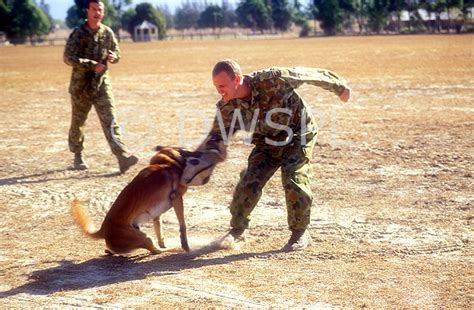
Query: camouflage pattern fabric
[[86, 48], [105, 108], [284, 134], [296, 170]]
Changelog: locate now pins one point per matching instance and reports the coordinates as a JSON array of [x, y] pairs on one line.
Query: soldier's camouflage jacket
[[86, 48], [275, 113]]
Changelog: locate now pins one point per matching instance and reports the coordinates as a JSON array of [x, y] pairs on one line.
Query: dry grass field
[[393, 180]]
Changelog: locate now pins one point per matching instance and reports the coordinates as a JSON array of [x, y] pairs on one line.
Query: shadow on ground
[[52, 175], [108, 270]]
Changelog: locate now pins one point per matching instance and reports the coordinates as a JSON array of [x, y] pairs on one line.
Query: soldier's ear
[[238, 79]]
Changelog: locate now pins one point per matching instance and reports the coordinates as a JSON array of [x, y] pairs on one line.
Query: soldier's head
[[95, 12], [227, 78]]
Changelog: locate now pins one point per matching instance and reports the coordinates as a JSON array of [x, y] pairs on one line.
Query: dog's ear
[[159, 148]]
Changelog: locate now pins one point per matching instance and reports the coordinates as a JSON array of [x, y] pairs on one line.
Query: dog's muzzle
[[197, 172]]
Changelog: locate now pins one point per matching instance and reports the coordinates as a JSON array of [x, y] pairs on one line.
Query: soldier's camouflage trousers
[[105, 107], [296, 171]]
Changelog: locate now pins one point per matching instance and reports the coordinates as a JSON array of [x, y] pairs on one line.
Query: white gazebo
[[146, 31]]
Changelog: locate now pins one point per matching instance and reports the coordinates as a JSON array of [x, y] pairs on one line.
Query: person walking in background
[[88, 50], [284, 133]]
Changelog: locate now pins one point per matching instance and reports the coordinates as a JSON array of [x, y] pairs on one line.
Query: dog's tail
[[82, 218]]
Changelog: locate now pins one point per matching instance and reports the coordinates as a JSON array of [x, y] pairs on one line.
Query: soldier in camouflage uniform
[[88, 50], [284, 130]]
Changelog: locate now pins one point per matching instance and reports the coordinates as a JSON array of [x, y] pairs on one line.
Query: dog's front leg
[[179, 210], [158, 225]]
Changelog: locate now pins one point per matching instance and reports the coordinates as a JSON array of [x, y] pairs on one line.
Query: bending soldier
[[284, 131]]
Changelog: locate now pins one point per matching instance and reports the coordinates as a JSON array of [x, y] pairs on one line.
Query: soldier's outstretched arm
[[323, 78], [71, 57]]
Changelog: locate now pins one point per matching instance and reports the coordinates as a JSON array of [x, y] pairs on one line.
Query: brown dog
[[152, 192]]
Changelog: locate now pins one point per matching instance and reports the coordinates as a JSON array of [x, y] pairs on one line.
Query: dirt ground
[[393, 210]]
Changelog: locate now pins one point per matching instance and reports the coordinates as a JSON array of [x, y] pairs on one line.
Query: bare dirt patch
[[392, 217]]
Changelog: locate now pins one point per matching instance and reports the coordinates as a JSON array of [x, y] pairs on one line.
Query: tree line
[[23, 19]]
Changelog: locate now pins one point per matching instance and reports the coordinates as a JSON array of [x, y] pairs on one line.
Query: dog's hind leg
[[158, 225], [179, 210], [130, 239]]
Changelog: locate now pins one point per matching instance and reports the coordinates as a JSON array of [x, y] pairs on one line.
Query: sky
[[58, 8]]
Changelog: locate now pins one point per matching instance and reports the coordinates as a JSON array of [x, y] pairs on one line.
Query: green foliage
[[27, 20], [297, 15], [211, 17], [169, 17], [115, 16], [230, 16], [281, 15], [328, 12], [378, 13], [5, 16], [75, 16], [145, 12], [187, 16], [305, 28], [254, 14], [45, 8], [127, 18]]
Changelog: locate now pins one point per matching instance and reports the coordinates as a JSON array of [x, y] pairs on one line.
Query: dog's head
[[197, 166]]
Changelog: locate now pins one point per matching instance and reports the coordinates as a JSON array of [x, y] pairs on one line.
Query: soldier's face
[[226, 86], [95, 12]]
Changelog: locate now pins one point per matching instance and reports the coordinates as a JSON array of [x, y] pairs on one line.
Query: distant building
[[146, 31]]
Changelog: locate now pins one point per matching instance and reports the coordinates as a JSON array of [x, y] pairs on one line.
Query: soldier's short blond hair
[[95, 1], [229, 66]]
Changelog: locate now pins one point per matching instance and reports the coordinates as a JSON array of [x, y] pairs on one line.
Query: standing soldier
[[88, 50], [284, 132]]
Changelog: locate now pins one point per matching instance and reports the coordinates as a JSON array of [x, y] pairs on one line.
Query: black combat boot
[[79, 163], [299, 240], [125, 162]]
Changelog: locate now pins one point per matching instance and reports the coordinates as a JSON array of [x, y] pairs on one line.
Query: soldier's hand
[[346, 95], [99, 68], [112, 57]]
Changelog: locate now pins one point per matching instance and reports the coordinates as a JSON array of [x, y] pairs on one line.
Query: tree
[[45, 8], [361, 12], [211, 17], [432, 7], [465, 9], [169, 17], [396, 6], [329, 14], [27, 21], [127, 18], [378, 13], [230, 17], [146, 12], [116, 16], [254, 14], [5, 16], [450, 5], [348, 11], [281, 15], [187, 16]]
